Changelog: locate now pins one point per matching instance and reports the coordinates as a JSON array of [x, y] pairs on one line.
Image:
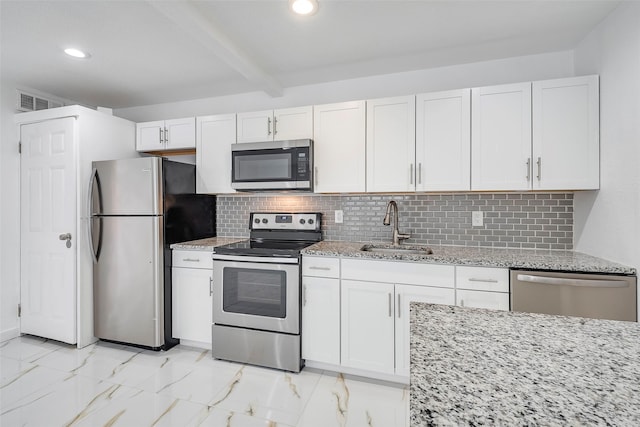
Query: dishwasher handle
[[590, 283]]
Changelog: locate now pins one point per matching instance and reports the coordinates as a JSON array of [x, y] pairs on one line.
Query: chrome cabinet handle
[[315, 175], [411, 174], [390, 305], [210, 286], [275, 124], [67, 237], [304, 295], [539, 163], [268, 125], [190, 259], [461, 303], [313, 267], [166, 135], [398, 306], [483, 280], [529, 169], [419, 173], [161, 135]]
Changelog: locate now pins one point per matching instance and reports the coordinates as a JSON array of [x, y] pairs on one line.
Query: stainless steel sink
[[397, 250]]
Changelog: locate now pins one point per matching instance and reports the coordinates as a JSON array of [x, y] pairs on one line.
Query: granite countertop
[[485, 367], [530, 259], [206, 244]]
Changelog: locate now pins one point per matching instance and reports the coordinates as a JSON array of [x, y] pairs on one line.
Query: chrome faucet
[[397, 236]]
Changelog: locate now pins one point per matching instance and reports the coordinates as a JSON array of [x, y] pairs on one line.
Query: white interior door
[[48, 213]]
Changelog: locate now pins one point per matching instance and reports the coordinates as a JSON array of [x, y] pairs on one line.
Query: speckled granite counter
[[485, 367], [206, 244], [530, 259]]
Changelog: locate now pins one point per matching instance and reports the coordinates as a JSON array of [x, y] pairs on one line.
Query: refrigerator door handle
[[95, 251]]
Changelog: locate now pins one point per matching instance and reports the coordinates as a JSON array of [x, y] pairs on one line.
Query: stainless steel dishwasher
[[595, 296]]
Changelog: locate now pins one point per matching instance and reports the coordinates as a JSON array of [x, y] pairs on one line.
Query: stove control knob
[[257, 220], [310, 221], [265, 220], [302, 221]]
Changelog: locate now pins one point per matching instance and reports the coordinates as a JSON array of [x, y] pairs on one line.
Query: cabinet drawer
[[482, 279], [192, 259], [321, 267], [410, 273], [482, 299]]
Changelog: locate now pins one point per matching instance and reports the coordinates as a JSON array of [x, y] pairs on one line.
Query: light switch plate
[[477, 219], [339, 216]]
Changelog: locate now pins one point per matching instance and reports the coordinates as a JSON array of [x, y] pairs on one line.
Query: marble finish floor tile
[[47, 383]]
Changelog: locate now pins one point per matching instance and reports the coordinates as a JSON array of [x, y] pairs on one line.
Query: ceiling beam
[[192, 21]]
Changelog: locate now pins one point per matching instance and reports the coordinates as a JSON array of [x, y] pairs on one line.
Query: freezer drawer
[[583, 295], [128, 280]]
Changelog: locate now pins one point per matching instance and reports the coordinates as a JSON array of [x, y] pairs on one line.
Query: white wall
[[607, 222], [9, 214], [510, 70]]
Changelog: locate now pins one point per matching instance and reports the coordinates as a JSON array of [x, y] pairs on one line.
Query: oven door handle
[[256, 259]]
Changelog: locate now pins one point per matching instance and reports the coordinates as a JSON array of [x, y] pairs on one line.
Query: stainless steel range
[[256, 291]]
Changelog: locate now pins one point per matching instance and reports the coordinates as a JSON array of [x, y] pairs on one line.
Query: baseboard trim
[[8, 334]]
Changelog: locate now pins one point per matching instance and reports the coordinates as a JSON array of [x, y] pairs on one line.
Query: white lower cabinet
[[367, 339], [192, 301], [321, 319], [482, 287], [356, 312], [405, 294]]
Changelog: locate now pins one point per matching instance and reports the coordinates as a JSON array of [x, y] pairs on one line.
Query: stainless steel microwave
[[273, 165]]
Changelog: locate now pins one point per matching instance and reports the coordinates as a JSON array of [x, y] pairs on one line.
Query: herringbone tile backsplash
[[514, 220]]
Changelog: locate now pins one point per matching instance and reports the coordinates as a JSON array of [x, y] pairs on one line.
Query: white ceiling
[[148, 52]]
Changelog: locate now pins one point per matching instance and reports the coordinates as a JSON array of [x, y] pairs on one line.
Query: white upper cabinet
[[443, 141], [163, 135], [566, 148], [501, 137], [339, 147], [391, 137], [275, 125], [214, 137]]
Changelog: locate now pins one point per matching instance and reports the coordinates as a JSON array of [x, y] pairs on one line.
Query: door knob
[[67, 237]]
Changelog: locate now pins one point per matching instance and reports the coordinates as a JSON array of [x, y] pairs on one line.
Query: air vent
[[29, 102]]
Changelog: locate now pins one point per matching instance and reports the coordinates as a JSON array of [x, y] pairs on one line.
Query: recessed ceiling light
[[303, 7], [76, 53]]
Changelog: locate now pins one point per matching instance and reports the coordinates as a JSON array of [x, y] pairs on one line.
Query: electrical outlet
[[477, 219], [339, 216]]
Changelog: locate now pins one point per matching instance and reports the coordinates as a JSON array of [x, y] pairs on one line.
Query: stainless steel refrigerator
[[138, 208]]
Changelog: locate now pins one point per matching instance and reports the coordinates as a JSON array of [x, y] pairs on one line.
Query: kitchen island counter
[[484, 367], [526, 259]]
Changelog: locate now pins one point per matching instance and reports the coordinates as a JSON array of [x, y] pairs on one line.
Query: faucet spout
[[396, 235]]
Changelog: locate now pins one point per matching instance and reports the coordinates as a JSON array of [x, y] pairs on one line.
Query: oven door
[[257, 292]]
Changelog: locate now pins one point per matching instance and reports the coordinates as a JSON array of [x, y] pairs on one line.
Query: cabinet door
[[293, 123], [192, 304], [443, 141], [405, 294], [367, 340], [150, 136], [339, 150], [214, 136], [391, 138], [321, 319], [566, 148], [501, 137], [180, 133], [481, 299], [255, 126]]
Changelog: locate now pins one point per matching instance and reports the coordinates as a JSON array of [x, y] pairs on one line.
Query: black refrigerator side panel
[[188, 216]]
